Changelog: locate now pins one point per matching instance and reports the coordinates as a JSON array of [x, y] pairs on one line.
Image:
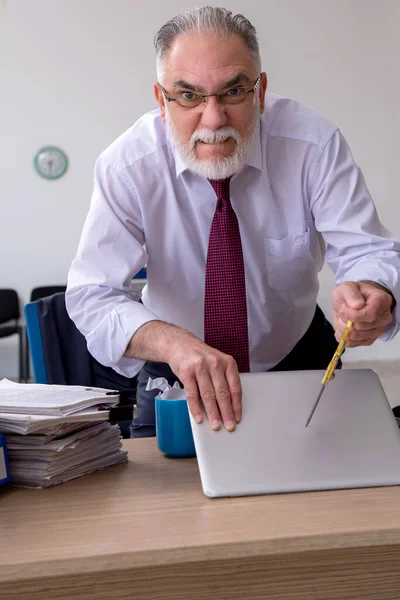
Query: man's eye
[[189, 96], [238, 91]]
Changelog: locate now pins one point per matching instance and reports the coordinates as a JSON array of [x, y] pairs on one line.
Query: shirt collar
[[254, 159]]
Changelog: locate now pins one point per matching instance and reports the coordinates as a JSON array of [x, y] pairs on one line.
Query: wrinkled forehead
[[208, 61]]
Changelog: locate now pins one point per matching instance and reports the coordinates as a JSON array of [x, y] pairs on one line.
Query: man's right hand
[[210, 378]]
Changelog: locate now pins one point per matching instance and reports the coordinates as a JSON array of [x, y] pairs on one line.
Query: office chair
[[9, 311], [36, 293], [47, 290], [60, 356]]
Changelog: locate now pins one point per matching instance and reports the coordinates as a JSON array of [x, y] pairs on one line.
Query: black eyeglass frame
[[218, 95]]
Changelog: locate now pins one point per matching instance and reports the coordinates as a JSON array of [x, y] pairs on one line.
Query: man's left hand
[[368, 305]]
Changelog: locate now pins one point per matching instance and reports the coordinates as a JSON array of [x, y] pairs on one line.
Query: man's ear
[[262, 90], [160, 99]]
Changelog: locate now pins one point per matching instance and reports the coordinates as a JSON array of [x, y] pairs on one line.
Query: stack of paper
[[57, 400], [56, 433]]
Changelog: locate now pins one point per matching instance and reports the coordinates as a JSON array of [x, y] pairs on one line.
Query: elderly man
[[233, 198]]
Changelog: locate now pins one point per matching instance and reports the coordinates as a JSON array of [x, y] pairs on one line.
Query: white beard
[[214, 168]]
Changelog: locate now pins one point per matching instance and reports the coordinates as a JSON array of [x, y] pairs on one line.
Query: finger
[[366, 342], [235, 389], [208, 398], [368, 314], [193, 398], [357, 335], [377, 305], [337, 319], [380, 303], [223, 398], [381, 322], [339, 326], [375, 293], [348, 293]]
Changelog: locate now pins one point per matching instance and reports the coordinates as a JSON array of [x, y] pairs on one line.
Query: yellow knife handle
[[339, 351]]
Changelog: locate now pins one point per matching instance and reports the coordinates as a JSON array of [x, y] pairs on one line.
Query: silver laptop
[[353, 439]]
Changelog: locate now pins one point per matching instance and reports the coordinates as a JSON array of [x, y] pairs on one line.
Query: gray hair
[[210, 19]]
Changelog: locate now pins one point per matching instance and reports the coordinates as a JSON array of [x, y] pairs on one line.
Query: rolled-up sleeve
[[358, 247], [99, 298]]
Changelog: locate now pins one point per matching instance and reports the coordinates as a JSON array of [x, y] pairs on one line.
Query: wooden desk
[[144, 530]]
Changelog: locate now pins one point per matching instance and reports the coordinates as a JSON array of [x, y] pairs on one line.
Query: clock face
[[50, 162]]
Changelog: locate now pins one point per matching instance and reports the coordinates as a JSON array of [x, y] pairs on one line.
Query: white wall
[[76, 73]]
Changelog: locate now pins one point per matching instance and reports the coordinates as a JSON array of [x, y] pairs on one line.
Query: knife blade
[[329, 373]]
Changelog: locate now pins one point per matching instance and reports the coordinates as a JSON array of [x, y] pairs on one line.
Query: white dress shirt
[[299, 199]]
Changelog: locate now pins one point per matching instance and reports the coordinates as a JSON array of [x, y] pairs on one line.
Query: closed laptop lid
[[353, 439]]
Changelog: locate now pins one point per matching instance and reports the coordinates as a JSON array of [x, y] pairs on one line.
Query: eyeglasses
[[233, 96]]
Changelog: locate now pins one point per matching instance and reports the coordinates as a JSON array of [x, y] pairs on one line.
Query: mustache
[[214, 137]]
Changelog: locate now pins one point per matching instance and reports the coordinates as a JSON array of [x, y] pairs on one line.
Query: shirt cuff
[[109, 348]]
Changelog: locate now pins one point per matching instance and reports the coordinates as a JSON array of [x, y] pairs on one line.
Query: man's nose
[[214, 114]]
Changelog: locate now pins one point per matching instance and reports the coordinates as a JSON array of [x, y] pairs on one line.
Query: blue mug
[[173, 428]]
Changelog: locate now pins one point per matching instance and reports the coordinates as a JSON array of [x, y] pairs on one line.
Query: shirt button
[[298, 241]]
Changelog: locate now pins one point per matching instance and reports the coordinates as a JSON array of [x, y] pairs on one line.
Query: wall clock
[[50, 162]]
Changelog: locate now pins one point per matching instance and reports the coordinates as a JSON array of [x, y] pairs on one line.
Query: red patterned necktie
[[225, 309]]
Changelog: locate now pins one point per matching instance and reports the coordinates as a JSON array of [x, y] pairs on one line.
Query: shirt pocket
[[288, 260]]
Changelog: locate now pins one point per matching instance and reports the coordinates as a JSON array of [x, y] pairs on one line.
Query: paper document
[[57, 400], [57, 432], [36, 463], [48, 425]]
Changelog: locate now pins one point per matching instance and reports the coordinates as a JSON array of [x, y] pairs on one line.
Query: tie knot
[[221, 188]]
